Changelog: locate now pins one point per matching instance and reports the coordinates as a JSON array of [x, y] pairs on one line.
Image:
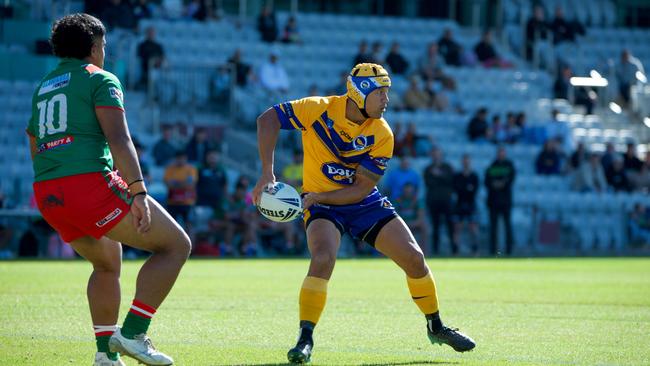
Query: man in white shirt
[[273, 76]]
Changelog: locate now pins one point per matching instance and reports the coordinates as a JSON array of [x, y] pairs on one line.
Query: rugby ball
[[280, 203]]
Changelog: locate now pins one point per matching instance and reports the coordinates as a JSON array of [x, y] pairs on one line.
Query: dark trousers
[[495, 213], [441, 210]]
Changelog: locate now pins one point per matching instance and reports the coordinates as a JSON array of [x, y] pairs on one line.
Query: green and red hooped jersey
[[69, 139]]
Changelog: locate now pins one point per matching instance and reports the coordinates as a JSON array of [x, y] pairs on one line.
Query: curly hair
[[74, 34]]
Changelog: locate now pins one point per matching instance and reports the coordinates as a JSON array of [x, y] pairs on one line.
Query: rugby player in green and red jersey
[[79, 137]]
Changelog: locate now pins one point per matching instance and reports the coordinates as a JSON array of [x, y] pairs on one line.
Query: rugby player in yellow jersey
[[346, 145]]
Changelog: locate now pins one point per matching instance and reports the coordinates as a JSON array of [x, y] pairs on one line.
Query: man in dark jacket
[[499, 178], [439, 182], [466, 187]]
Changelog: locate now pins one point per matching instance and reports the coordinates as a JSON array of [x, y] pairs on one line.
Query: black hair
[[73, 35]]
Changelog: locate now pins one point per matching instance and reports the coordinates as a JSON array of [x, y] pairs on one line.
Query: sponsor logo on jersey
[[54, 144], [381, 162], [58, 82], [110, 217], [116, 93], [338, 173]]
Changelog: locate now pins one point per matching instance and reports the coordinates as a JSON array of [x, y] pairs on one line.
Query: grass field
[[520, 312]]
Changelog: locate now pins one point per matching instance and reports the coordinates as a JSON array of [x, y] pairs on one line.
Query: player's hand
[[141, 213], [267, 180], [309, 199]]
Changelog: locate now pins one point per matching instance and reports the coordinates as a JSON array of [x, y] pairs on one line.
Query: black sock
[[306, 330], [434, 324]]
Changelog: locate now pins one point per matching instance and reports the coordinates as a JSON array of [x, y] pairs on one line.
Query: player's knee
[[323, 260], [184, 246], [107, 267], [415, 261]]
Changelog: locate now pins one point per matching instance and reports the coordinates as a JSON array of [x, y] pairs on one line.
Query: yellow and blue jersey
[[334, 147]]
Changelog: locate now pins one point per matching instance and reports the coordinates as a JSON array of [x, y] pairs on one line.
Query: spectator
[[414, 144], [512, 129], [118, 14], [590, 176], [478, 129], [180, 179], [198, 146], [362, 55], [586, 97], [641, 180], [616, 176], [142, 9], [548, 161], [165, 149], [198, 10], [396, 61], [639, 225], [562, 30], [449, 93], [449, 48], [466, 186], [439, 182], [273, 76], [221, 82], [313, 91], [411, 210], [487, 54], [240, 213], [151, 54], [499, 179], [267, 25], [537, 29], [143, 161], [416, 98], [578, 157], [212, 184], [377, 53], [400, 177], [558, 130], [499, 133], [562, 83], [631, 162], [341, 87], [292, 173], [609, 156], [439, 101], [626, 74], [430, 65], [291, 33], [242, 70]]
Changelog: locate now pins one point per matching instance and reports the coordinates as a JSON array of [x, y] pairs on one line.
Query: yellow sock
[[423, 292], [312, 298]]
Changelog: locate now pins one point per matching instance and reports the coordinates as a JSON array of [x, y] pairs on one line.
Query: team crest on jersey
[[338, 173], [116, 93], [360, 142], [53, 84]]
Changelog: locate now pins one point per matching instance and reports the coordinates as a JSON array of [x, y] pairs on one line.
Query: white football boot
[[139, 348], [101, 359]]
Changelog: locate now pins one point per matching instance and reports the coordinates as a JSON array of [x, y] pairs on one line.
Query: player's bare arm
[[364, 182], [114, 126], [268, 128]]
